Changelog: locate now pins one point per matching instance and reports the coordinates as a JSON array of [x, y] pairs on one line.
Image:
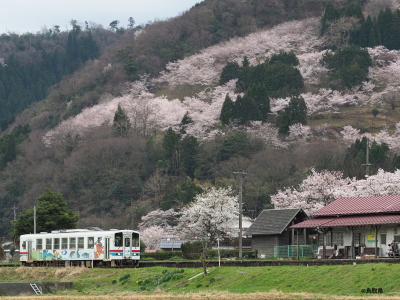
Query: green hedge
[[160, 255]]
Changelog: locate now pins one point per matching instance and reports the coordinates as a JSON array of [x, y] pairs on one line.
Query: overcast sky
[[22, 16]]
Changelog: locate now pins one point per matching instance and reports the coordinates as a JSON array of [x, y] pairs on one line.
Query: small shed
[[270, 229]]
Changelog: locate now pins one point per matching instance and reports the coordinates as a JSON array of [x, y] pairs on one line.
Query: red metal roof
[[360, 205], [313, 223], [349, 221]]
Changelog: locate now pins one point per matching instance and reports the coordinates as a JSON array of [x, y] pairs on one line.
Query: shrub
[[192, 250], [160, 255]]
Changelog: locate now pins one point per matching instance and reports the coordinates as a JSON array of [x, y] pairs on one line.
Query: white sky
[[22, 16]]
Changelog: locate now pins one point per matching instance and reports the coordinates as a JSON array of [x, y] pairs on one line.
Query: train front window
[[57, 243], [49, 243], [127, 242], [23, 245], [39, 244], [135, 239], [118, 239], [64, 243]]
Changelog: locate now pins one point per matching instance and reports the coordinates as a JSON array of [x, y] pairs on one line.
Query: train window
[[135, 239], [72, 243], [90, 242], [127, 242], [81, 243], [57, 243], [39, 244], [118, 239], [64, 243], [49, 244], [23, 245]]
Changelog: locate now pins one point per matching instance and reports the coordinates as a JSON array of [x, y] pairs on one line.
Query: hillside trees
[[348, 65], [347, 25], [181, 152]]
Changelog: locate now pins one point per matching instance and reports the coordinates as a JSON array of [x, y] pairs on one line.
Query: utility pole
[[132, 212], [240, 212], [367, 164], [34, 219], [15, 213]]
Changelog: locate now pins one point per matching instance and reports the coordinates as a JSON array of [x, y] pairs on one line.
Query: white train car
[[81, 247]]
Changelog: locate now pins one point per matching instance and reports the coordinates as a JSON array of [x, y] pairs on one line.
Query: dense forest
[[125, 164]]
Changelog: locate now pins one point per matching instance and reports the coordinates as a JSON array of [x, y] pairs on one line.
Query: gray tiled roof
[[174, 244], [274, 221]]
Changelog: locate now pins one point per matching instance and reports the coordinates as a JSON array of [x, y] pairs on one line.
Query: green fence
[[291, 250]]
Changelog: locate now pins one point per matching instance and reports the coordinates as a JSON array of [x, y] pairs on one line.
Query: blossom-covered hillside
[[148, 112]]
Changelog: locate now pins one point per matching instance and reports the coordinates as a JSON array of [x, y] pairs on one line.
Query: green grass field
[[326, 281]]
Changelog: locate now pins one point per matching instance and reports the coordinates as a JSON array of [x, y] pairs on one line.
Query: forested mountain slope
[[139, 127]]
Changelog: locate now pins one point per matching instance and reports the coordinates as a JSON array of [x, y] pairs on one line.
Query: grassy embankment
[[285, 282]]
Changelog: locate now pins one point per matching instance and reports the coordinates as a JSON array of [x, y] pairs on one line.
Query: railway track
[[250, 263]]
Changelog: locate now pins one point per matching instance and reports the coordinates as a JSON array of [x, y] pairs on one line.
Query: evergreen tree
[[287, 58], [245, 62], [295, 112], [227, 110], [349, 64], [51, 214], [384, 24], [10, 149], [230, 71], [190, 149], [330, 14], [234, 145], [372, 42], [259, 94], [186, 120], [172, 148], [121, 124], [394, 35]]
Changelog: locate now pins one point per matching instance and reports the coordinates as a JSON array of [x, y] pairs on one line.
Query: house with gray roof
[[271, 229]]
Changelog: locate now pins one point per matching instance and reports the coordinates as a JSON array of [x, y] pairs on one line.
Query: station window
[[359, 239], [118, 239], [135, 239], [81, 243], [337, 238], [57, 243], [64, 243], [72, 243], [90, 242], [328, 239], [383, 238], [49, 244], [39, 244]]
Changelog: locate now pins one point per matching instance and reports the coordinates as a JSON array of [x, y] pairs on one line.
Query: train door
[[127, 246], [107, 248], [29, 250]]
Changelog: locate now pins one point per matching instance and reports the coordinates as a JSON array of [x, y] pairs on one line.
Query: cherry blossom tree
[[156, 218], [213, 212], [316, 191], [299, 132], [321, 188], [152, 236]]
